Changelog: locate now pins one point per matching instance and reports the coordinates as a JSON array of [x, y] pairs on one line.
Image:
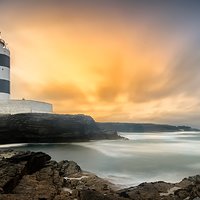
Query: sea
[[145, 157]]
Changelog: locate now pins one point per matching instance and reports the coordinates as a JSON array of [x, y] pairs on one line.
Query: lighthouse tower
[[14, 106], [4, 71]]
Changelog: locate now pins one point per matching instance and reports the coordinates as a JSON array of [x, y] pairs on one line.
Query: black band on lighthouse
[[4, 60], [4, 86]]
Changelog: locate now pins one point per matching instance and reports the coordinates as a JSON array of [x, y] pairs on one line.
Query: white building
[[8, 106]]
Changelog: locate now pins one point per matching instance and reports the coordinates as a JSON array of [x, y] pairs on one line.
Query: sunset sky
[[116, 60]]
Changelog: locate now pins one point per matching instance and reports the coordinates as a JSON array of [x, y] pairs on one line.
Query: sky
[[116, 60]]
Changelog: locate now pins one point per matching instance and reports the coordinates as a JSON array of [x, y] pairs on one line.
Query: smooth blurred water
[[145, 157]]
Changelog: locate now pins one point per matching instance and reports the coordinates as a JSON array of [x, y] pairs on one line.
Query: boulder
[[67, 168]]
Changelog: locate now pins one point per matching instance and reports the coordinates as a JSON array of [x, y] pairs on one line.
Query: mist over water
[[145, 157]]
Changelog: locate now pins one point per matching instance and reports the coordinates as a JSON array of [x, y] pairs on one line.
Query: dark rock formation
[[187, 189], [49, 180], [33, 128], [46, 179], [134, 127], [67, 168], [14, 168]]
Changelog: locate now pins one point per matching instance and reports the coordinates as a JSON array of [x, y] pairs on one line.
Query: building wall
[[24, 106]]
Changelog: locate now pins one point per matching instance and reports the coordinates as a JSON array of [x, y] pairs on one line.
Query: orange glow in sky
[[104, 64]]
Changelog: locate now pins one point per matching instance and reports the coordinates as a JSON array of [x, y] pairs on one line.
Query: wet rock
[[96, 195], [10, 175], [34, 161], [67, 168], [7, 154], [181, 194], [89, 194], [16, 197], [39, 186], [33, 176]]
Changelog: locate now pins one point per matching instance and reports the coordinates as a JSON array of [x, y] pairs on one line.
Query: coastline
[[33, 175], [50, 128], [129, 162], [59, 128]]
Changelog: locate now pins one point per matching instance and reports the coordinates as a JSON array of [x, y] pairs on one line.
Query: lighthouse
[[14, 106], [4, 71]]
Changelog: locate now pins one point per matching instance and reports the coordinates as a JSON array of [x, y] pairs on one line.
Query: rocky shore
[[50, 128], [34, 176]]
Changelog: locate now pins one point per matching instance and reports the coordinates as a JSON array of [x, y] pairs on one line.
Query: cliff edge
[[50, 128]]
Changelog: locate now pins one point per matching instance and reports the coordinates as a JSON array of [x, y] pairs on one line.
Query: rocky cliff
[[34, 176], [32, 128], [137, 127]]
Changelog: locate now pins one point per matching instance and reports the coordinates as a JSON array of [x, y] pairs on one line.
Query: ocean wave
[[13, 145]]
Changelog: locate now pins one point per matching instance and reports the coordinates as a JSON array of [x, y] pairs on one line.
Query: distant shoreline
[[63, 128], [143, 127]]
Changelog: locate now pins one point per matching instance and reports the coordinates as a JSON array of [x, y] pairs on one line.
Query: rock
[[90, 194], [34, 161], [7, 154], [29, 175], [44, 184], [67, 168], [181, 193], [16, 197], [10, 175], [33, 176], [37, 161], [145, 191], [13, 169], [187, 189], [43, 127]]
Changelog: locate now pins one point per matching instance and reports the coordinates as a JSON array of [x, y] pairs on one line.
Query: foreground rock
[[33, 128], [34, 176]]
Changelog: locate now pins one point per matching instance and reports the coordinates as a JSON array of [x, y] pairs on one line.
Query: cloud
[[112, 82], [60, 91], [184, 71], [181, 75], [121, 62]]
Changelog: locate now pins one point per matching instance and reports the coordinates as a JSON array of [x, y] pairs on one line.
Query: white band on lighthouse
[[4, 73]]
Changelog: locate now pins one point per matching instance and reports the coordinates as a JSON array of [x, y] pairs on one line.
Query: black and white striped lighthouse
[[4, 71]]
